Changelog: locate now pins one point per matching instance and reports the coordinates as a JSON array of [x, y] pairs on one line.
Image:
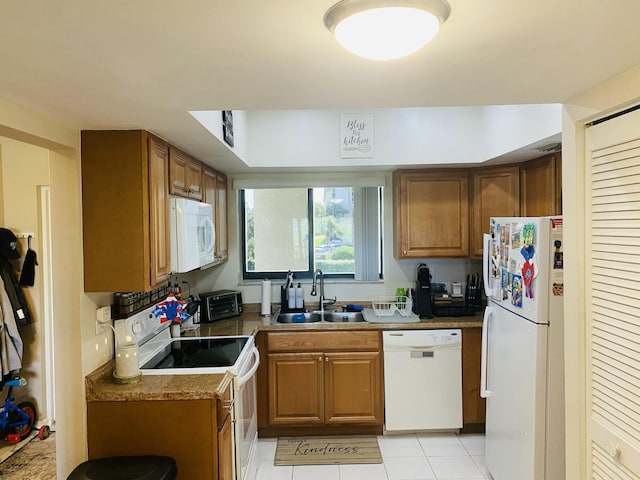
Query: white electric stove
[[160, 354]]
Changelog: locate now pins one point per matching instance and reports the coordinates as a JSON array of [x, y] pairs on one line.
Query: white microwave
[[193, 235]]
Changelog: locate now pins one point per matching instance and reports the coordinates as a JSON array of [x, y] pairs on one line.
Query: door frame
[[44, 194]]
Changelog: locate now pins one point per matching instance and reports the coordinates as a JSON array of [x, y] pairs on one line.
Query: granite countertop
[[251, 322], [100, 385]]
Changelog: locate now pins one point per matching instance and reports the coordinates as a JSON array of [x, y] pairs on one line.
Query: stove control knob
[[137, 328]]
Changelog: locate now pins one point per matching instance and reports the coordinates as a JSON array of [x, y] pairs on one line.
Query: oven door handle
[[247, 376]]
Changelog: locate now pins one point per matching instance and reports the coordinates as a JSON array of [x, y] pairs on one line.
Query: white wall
[[25, 168], [212, 121], [608, 97], [407, 136], [79, 350], [63, 143], [397, 273]]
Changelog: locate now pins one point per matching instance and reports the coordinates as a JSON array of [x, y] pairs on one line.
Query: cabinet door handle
[[614, 450], [326, 359], [320, 358], [404, 252]]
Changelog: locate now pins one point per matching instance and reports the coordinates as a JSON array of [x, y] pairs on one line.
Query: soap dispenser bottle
[[287, 293], [299, 296], [291, 297]]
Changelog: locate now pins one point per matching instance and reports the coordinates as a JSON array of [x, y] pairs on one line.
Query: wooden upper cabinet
[[495, 193], [185, 175], [125, 207], [541, 186], [445, 212], [432, 213], [159, 212], [209, 185], [558, 176], [222, 249], [215, 193]]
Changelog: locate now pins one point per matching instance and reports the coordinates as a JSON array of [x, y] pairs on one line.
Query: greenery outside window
[[335, 229]]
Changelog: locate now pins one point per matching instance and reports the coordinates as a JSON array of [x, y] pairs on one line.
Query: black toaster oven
[[220, 304]]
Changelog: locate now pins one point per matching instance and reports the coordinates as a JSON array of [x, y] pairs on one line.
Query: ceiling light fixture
[[385, 29]]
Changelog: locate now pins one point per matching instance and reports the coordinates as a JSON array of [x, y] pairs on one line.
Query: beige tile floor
[[405, 457], [443, 456]]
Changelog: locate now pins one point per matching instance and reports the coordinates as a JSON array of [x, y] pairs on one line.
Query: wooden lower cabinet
[[224, 405], [352, 381], [331, 381], [473, 405], [324, 388], [311, 386], [296, 388], [197, 433], [225, 450]]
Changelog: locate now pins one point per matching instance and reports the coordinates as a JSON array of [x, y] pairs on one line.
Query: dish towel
[[28, 274]]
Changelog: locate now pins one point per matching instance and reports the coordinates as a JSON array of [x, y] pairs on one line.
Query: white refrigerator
[[522, 376]]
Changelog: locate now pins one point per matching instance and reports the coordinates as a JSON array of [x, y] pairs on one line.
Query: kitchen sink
[[342, 317], [317, 316], [306, 317]]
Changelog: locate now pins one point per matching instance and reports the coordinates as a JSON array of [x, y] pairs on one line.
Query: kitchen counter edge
[[100, 385], [251, 323]]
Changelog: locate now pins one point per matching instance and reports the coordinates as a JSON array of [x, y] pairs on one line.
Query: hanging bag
[[28, 274]]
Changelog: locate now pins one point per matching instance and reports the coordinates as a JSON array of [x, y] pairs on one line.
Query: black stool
[[147, 467]]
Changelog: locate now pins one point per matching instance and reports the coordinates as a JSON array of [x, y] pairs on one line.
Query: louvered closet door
[[613, 297]]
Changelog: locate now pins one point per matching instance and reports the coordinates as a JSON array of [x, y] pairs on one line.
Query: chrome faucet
[[288, 280], [319, 275]]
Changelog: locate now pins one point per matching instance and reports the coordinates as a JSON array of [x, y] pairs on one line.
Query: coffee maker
[[422, 300]]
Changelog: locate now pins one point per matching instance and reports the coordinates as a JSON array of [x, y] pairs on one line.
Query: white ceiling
[[145, 63]]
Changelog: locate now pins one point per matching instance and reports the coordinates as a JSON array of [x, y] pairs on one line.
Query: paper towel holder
[[265, 302]]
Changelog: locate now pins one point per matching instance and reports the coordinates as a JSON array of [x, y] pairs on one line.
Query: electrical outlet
[[103, 316]]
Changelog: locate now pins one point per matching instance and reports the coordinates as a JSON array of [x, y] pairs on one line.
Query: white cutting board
[[370, 316]]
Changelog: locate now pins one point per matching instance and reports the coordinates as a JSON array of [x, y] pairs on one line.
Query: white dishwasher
[[422, 379]]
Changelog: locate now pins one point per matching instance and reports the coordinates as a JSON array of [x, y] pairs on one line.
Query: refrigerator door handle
[[486, 260], [488, 313]]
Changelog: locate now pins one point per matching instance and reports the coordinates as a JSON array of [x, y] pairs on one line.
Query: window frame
[[306, 274]]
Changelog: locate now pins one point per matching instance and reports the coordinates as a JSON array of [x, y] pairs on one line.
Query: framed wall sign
[[356, 136], [227, 127]]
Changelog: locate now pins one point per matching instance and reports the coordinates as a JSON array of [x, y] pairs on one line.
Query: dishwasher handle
[[488, 314], [421, 354]]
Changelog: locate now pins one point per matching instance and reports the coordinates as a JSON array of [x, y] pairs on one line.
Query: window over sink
[[335, 229]]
